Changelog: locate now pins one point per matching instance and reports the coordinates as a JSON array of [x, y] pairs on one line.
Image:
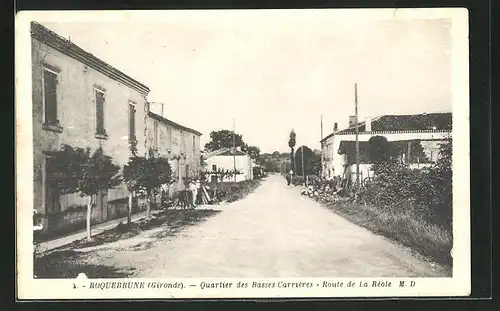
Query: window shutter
[[100, 112], [50, 96], [132, 122]]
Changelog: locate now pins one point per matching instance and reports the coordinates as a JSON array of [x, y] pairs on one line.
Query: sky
[[272, 72]]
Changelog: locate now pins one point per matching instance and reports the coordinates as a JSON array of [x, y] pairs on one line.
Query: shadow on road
[[68, 263]]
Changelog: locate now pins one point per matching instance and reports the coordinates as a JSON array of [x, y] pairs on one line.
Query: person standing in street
[[289, 178], [193, 187]]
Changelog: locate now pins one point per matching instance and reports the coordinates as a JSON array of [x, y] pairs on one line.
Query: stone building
[[81, 101], [178, 143]]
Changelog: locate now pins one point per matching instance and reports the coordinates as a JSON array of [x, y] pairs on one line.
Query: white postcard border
[[458, 285]]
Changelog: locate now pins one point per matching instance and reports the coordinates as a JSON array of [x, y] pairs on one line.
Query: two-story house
[[178, 143], [81, 101]]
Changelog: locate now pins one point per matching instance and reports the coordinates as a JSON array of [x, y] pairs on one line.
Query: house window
[[214, 167], [99, 103], [50, 96], [194, 144], [155, 134], [131, 122]]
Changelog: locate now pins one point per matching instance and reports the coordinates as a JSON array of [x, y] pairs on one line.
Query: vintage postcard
[[242, 153]]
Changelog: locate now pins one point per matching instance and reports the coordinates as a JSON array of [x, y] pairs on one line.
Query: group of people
[[186, 198]]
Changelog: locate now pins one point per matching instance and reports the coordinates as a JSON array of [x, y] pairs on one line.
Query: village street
[[273, 232]]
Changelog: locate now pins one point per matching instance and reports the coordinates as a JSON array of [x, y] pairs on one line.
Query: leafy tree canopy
[[224, 139], [141, 173], [312, 161], [77, 170], [291, 140], [380, 149], [254, 152]]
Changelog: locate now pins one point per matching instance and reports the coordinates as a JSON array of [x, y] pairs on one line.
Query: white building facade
[[429, 138], [224, 159]]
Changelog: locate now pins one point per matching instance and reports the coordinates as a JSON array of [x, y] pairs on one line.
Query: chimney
[[335, 127], [368, 124], [157, 108], [352, 121]]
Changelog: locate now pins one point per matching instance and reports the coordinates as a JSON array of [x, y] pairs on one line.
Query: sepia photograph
[[242, 153]]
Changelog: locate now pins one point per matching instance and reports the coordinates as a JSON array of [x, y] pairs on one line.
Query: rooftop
[[224, 152], [425, 122], [172, 123], [63, 45]]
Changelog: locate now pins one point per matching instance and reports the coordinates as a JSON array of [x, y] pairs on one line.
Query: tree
[[203, 161], [254, 152], [79, 171], [444, 163], [224, 139], [380, 149], [147, 174], [291, 144], [312, 162], [132, 185]]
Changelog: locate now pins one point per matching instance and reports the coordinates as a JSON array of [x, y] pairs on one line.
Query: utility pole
[[234, 150], [302, 159], [357, 132], [321, 141]]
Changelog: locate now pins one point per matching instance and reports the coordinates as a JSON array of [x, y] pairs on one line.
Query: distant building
[[178, 143], [225, 159], [420, 134], [82, 101]]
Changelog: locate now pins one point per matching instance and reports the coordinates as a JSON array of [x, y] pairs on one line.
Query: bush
[[298, 180], [426, 192], [233, 191]]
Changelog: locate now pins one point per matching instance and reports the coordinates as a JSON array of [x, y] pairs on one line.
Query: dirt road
[[273, 232]]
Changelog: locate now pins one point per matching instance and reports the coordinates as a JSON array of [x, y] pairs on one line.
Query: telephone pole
[[302, 159], [357, 132], [234, 150], [321, 145]]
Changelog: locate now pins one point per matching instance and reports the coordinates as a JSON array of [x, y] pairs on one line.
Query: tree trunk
[[148, 205], [129, 215], [89, 213]]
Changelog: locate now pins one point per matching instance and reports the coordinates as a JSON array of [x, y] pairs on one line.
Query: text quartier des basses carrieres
[[245, 284]]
